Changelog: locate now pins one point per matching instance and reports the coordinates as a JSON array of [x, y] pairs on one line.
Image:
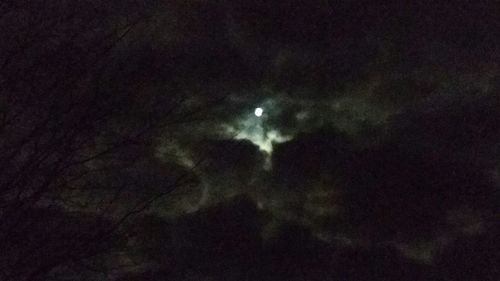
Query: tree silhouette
[[74, 132]]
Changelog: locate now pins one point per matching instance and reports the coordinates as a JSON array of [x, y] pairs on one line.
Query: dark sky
[[379, 130], [330, 139]]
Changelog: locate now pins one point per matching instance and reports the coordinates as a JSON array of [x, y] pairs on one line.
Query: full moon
[[258, 111]]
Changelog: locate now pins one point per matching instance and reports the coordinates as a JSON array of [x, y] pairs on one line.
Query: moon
[[258, 111]]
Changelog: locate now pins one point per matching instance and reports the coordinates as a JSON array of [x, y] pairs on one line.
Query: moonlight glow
[[258, 111], [264, 136]]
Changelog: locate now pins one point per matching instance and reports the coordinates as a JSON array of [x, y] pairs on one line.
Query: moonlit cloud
[[252, 127]]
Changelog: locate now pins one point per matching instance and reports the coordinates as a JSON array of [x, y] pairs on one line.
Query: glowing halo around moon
[[252, 127], [258, 111]]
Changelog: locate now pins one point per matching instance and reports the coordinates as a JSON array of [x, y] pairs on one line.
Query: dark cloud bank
[[376, 157]]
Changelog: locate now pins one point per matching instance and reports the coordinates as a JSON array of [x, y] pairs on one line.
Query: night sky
[[250, 140]]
